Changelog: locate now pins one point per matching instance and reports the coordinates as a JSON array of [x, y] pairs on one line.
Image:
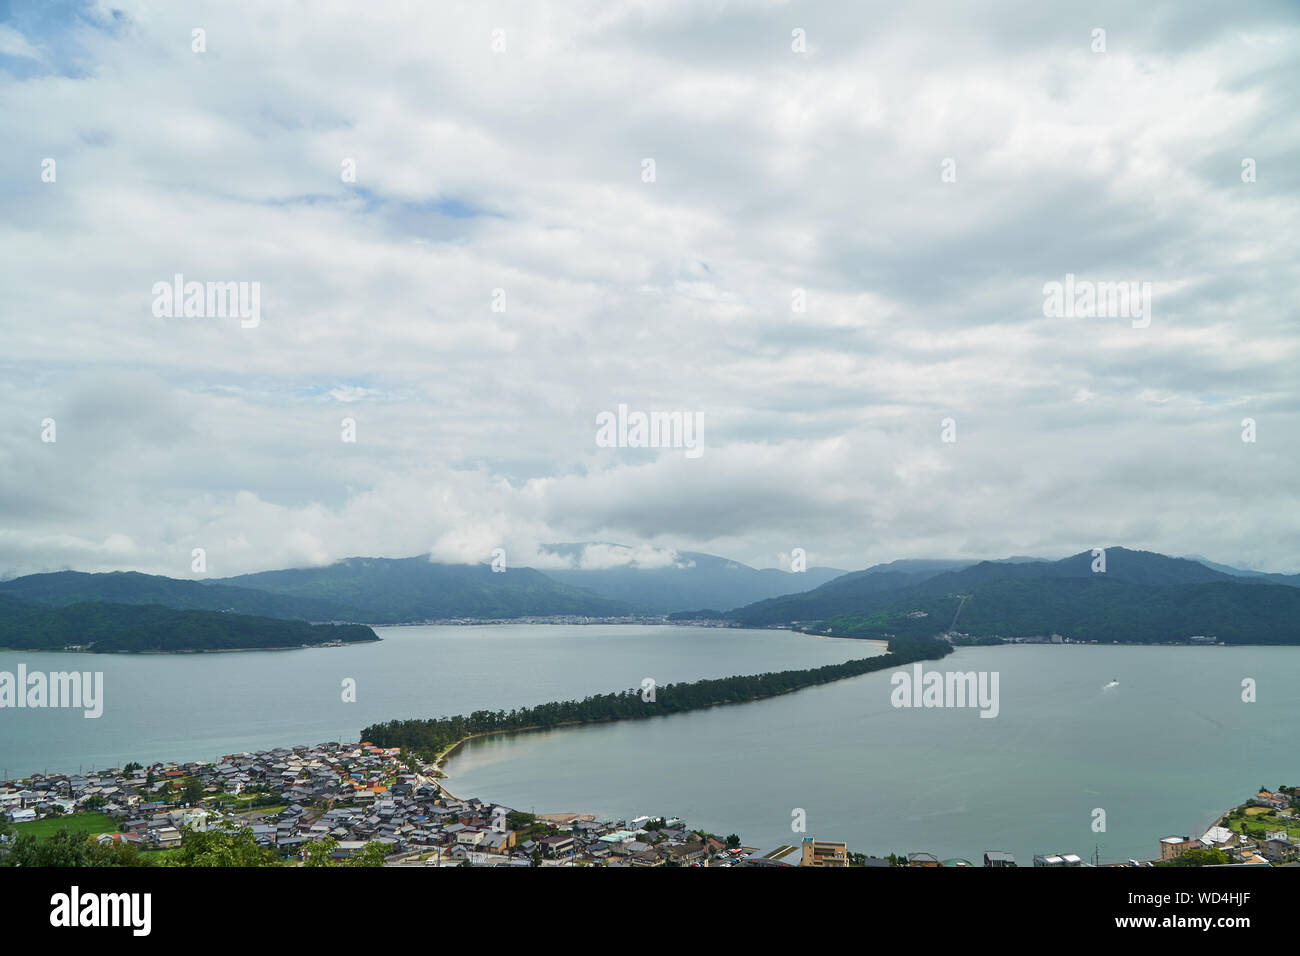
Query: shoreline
[[190, 650], [879, 642], [438, 759]]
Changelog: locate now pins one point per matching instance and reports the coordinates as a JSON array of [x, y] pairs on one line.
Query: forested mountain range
[[400, 590], [1140, 596], [370, 590]]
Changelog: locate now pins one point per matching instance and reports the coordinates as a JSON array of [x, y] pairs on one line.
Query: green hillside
[[1097, 609], [399, 590], [1141, 597], [104, 628], [131, 587]]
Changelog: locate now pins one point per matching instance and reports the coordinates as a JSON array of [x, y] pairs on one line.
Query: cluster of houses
[[353, 794], [357, 794], [1275, 847], [151, 824], [555, 619]]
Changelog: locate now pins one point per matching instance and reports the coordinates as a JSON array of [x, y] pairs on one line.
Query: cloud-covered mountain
[[399, 590], [1140, 595], [369, 590], [682, 581]]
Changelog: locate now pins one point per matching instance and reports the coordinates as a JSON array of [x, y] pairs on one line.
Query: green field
[[89, 822], [1259, 818], [246, 802]]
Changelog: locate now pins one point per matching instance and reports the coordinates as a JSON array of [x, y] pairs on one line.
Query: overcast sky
[[523, 169]]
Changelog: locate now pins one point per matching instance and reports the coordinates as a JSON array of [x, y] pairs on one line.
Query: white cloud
[[351, 393], [521, 171], [13, 43]]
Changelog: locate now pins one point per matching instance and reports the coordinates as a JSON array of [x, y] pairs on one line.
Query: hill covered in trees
[[130, 587], [372, 590], [1140, 597], [399, 590], [106, 628]]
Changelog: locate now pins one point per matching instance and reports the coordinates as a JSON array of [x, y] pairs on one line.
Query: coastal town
[[656, 620], [355, 802]]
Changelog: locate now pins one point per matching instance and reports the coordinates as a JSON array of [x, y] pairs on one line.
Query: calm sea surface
[[1161, 752], [200, 706]]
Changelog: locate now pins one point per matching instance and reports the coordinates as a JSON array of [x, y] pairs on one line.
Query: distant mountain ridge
[[1141, 596], [696, 580], [369, 590], [1291, 579], [402, 590], [1012, 596]]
